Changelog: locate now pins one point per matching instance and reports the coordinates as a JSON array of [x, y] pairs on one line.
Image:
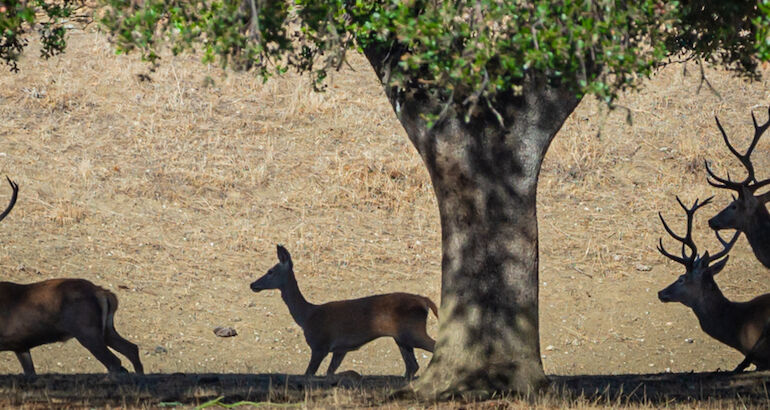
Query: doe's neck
[[298, 306]]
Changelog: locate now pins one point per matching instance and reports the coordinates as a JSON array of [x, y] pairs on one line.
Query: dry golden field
[[173, 193]]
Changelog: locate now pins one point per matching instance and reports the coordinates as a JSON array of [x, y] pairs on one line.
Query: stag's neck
[[720, 318], [758, 235], [299, 307]]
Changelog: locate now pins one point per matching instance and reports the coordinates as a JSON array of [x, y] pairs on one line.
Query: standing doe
[[57, 310], [746, 213], [740, 325], [343, 326]]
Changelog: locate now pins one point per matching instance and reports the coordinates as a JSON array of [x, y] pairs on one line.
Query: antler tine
[[727, 140], [759, 184], [704, 203], [723, 183], [670, 232], [691, 211], [726, 246], [744, 158], [665, 253], [758, 131], [15, 188], [685, 240]]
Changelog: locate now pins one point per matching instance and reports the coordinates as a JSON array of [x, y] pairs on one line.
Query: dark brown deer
[[747, 213], [57, 310], [343, 326], [740, 325]]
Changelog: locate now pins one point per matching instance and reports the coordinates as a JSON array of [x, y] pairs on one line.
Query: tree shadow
[[749, 388], [186, 388], [196, 388]]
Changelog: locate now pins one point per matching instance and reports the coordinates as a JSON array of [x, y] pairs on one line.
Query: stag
[[346, 325], [747, 213], [57, 310], [740, 325]]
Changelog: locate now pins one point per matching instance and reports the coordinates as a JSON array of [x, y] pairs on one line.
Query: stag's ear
[[717, 267], [283, 255], [764, 198]]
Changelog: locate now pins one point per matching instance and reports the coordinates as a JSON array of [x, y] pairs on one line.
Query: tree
[[481, 88]]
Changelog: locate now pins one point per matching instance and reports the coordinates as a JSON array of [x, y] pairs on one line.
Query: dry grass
[[173, 192], [680, 391]]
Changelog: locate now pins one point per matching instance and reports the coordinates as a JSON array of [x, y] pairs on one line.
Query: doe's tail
[[109, 304], [432, 306]]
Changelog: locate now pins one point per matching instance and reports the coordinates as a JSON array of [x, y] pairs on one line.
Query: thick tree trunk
[[485, 178]]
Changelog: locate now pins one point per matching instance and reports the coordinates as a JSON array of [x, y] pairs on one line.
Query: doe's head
[[697, 282], [277, 276]]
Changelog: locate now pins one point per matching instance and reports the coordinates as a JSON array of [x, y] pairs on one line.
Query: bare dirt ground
[[173, 193]]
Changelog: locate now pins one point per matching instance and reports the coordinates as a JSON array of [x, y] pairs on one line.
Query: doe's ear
[[283, 255], [717, 267]]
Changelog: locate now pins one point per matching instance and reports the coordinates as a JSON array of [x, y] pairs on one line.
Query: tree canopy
[[465, 48]]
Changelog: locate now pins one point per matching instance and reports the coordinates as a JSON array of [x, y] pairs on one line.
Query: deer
[[343, 326], [57, 310], [747, 213], [744, 326]]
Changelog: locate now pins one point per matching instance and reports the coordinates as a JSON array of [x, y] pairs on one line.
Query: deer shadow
[[198, 388]]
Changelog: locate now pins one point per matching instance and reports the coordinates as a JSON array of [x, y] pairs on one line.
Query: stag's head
[[698, 280], [277, 276], [738, 214]]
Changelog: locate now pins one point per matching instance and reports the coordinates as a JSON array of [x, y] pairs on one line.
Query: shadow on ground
[[194, 389]]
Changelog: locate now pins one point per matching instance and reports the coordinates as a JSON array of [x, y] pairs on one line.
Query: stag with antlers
[[57, 310], [740, 325], [747, 213]]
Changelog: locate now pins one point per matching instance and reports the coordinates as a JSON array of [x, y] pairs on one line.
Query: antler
[[686, 240], [744, 158], [15, 188], [726, 246]]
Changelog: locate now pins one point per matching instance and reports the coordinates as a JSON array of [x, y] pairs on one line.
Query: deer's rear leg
[[407, 353], [126, 348], [416, 337], [316, 357], [93, 340], [761, 348], [335, 363], [743, 365], [424, 342], [26, 362]]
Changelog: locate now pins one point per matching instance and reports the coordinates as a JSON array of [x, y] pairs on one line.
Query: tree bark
[[485, 177]]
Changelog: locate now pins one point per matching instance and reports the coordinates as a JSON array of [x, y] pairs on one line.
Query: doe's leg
[[407, 353], [424, 342], [416, 336], [92, 340], [316, 357], [124, 347]]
